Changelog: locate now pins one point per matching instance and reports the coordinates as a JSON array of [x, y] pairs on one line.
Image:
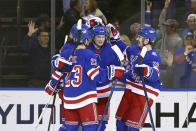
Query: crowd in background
[[176, 38]]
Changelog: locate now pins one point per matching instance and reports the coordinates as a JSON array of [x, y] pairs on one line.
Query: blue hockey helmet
[[148, 32], [85, 33], [99, 30]]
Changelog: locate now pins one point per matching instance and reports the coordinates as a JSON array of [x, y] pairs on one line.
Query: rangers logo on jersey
[[93, 61]]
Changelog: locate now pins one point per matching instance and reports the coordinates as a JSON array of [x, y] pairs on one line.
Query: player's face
[[99, 40], [140, 41]]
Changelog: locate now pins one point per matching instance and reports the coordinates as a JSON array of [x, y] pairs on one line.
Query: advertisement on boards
[[20, 109]]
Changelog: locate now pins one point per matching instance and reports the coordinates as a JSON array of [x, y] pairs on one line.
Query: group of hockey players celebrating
[[85, 68]]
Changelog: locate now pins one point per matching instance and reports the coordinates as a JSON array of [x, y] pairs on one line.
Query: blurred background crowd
[[26, 46]]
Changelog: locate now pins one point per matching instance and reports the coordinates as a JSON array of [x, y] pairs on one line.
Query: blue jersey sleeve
[[94, 71], [121, 45], [155, 69]]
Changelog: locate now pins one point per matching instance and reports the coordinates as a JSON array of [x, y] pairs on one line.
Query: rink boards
[[19, 109]]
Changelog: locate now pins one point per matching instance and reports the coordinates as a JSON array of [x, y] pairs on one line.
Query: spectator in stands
[[90, 8], [134, 28], [125, 39], [184, 63], [39, 56], [72, 15], [191, 7], [167, 45], [66, 5], [43, 22], [191, 22]]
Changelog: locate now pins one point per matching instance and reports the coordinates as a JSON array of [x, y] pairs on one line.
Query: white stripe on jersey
[[141, 91], [92, 73], [80, 96], [81, 104]]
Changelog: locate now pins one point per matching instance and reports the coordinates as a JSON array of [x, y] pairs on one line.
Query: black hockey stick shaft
[[143, 52], [148, 105], [52, 112]]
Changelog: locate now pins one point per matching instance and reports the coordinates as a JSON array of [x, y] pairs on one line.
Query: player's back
[[79, 87]]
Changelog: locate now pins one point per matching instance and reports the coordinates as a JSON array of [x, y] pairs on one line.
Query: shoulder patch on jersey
[[155, 64], [93, 61], [154, 53]]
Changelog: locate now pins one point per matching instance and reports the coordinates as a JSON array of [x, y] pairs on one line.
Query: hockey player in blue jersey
[[80, 93], [132, 111], [105, 56]]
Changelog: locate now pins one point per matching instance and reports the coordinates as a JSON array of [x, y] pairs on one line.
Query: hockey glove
[[115, 72], [53, 61], [56, 76], [92, 21], [61, 64], [114, 34], [143, 70]]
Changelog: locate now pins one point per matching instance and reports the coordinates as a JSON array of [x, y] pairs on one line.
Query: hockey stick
[[121, 58], [52, 111], [46, 105], [66, 38], [143, 53], [53, 103]]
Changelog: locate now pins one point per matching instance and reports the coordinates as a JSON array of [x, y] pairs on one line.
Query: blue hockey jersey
[[133, 82], [105, 57], [80, 84]]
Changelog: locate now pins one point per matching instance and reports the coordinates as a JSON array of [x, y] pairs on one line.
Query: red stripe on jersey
[[103, 90], [93, 72], [80, 100], [48, 90], [120, 85], [141, 88], [56, 75]]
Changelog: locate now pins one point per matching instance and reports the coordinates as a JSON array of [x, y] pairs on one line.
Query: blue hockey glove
[[143, 70], [53, 61], [61, 64], [115, 72], [114, 34]]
